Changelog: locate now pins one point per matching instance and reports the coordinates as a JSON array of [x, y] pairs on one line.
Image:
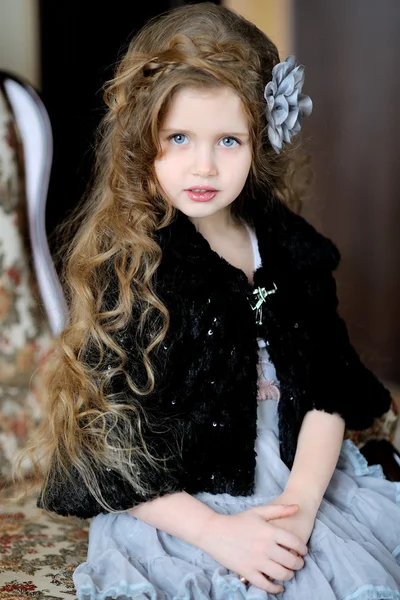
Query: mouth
[[201, 196], [199, 189]]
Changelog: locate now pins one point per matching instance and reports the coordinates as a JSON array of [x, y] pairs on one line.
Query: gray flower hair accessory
[[286, 106]]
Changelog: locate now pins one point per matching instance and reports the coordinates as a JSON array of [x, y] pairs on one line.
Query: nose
[[204, 163]]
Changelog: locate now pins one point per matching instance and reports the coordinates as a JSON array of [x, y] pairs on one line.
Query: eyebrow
[[185, 131]]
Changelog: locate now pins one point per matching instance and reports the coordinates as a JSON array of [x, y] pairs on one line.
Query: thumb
[[274, 511]]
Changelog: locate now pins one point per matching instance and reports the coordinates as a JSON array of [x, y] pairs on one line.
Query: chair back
[[35, 131]]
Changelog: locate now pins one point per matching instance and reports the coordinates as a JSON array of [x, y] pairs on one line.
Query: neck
[[219, 223]]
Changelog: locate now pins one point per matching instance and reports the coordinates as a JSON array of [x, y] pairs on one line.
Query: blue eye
[[231, 138], [175, 135], [182, 135]]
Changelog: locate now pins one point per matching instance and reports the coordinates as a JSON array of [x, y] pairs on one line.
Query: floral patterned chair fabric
[[25, 339], [36, 138]]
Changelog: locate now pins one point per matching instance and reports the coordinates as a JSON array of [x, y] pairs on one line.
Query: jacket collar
[[285, 239]]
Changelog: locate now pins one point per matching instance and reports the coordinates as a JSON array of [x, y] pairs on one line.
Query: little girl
[[200, 393]]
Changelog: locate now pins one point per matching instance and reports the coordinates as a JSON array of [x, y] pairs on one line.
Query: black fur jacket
[[209, 384]]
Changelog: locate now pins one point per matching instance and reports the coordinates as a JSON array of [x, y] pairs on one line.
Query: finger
[[261, 581], [275, 511], [290, 541], [277, 571], [287, 558], [289, 550]]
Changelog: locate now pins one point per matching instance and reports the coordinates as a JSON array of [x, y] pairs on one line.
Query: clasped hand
[[301, 523], [262, 543]]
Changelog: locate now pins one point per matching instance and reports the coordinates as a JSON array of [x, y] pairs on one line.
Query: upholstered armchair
[[37, 553], [25, 333]]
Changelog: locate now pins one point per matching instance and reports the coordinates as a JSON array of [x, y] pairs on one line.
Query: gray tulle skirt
[[354, 549]]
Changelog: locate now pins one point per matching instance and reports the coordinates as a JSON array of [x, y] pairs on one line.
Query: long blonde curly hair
[[202, 46]]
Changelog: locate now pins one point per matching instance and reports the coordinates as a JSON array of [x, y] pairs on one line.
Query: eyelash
[[227, 137]]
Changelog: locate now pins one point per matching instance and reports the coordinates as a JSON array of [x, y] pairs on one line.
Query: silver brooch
[[261, 295]]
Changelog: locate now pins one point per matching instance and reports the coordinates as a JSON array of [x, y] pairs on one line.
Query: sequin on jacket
[[209, 384]]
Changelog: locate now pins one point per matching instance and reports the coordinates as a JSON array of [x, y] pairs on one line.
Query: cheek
[[164, 171], [242, 167]]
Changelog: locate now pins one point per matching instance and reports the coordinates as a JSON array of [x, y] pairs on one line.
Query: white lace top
[[268, 384]]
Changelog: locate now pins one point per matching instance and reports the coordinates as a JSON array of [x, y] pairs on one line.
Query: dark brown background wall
[[351, 51]]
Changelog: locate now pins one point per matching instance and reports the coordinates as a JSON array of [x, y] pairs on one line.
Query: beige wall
[[19, 39], [273, 17]]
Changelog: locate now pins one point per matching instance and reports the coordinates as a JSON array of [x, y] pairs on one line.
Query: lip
[[205, 196], [201, 187]]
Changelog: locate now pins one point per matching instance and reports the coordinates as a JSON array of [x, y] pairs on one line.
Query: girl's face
[[205, 142]]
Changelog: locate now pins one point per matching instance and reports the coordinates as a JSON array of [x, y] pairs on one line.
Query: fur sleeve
[[341, 382], [175, 377]]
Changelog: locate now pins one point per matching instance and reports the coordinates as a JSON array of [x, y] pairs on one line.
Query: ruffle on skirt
[[354, 549]]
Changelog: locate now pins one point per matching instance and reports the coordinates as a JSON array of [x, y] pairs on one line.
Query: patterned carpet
[[38, 554]]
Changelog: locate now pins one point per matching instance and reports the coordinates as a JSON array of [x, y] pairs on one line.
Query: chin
[[198, 209], [202, 209]]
